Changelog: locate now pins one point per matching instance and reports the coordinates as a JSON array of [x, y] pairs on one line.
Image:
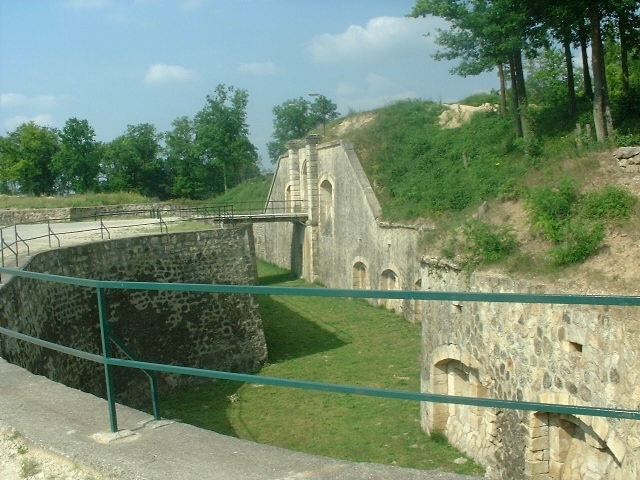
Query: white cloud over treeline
[[161, 73]]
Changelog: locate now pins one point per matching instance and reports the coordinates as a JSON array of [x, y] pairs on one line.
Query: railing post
[[106, 354]]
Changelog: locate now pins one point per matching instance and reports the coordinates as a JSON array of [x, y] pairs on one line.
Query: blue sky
[[124, 62]]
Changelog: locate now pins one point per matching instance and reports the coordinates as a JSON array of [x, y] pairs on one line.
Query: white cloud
[[377, 82], [257, 68], [161, 73], [380, 36], [42, 119], [19, 100]]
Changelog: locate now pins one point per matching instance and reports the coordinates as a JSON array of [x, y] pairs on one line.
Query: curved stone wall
[[214, 331]]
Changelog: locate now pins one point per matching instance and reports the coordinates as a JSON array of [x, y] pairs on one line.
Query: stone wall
[[343, 244], [13, 216], [559, 354], [214, 331]]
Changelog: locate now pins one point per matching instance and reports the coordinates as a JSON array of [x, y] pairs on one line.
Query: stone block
[[535, 467]]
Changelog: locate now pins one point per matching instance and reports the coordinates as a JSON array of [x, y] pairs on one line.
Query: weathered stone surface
[[628, 158], [215, 331]]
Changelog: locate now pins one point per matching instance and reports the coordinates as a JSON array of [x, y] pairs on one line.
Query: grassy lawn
[[331, 340]]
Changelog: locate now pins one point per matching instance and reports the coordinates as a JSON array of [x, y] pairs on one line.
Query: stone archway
[[389, 280], [567, 447], [360, 275]]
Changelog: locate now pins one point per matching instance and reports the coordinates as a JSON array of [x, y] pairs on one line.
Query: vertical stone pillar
[[313, 205], [294, 200]]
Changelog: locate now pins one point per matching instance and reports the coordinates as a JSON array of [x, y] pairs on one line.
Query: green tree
[[222, 138], [484, 35], [132, 162], [294, 118], [323, 110], [25, 159], [76, 165], [188, 173]]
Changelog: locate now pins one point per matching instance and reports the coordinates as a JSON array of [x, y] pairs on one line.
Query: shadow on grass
[[276, 278], [290, 334]]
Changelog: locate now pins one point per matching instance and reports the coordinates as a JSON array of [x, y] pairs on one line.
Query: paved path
[[73, 425]]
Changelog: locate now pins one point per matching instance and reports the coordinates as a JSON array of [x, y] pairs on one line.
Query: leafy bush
[[576, 223], [551, 207], [628, 139], [582, 238], [486, 243], [611, 203]]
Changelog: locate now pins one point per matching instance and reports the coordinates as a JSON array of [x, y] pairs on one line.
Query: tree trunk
[[515, 107], [522, 95], [503, 90], [588, 87], [571, 86], [601, 108], [623, 28]]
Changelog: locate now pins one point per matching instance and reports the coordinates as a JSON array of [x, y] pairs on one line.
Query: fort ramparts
[[214, 331], [559, 354]]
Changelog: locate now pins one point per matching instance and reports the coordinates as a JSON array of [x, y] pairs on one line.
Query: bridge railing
[[108, 361], [14, 243]]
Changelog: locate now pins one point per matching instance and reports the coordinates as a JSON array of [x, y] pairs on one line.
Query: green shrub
[[486, 243], [550, 207], [582, 238], [628, 140], [610, 203]]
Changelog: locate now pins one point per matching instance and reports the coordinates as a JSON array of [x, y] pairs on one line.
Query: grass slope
[[330, 340]]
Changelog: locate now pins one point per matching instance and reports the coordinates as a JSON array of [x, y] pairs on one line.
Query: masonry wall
[[343, 244], [560, 354], [215, 331], [557, 354]]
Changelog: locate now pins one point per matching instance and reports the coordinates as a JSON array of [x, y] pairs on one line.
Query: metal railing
[[109, 361], [13, 243]]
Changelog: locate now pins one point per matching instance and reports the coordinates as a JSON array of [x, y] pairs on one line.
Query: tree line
[[198, 158], [498, 34]]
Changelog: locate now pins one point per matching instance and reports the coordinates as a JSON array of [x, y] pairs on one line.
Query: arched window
[[389, 281], [360, 279], [326, 208]]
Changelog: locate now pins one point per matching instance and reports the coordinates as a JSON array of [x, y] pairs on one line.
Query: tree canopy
[[294, 118], [198, 158]]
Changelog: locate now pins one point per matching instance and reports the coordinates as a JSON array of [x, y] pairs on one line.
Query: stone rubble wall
[[205, 330], [627, 158], [559, 354]]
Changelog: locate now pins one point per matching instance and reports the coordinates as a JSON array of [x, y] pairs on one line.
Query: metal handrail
[[225, 212], [108, 361]]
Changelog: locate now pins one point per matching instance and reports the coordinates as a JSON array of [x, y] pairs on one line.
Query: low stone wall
[[559, 354], [215, 331], [10, 216]]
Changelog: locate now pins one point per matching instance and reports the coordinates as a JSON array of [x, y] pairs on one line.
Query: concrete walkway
[[74, 425]]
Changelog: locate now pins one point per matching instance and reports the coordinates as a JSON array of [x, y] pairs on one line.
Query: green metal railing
[[109, 361]]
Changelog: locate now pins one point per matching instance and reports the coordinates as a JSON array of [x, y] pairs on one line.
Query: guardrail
[[11, 240], [106, 359]]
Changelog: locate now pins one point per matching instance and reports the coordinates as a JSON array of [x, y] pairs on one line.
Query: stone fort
[[561, 354]]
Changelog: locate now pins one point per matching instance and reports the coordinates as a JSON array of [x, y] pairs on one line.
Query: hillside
[[610, 270]]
